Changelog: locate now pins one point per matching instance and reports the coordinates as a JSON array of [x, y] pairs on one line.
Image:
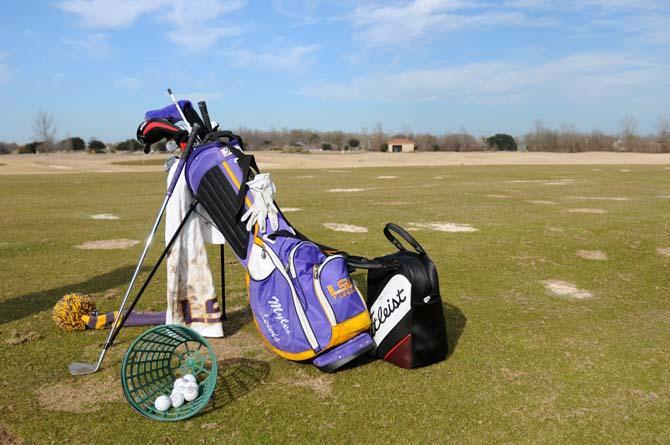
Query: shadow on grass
[[237, 377], [456, 321], [236, 320], [32, 303]]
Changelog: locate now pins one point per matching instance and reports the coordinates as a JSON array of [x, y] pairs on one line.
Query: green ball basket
[[156, 359]]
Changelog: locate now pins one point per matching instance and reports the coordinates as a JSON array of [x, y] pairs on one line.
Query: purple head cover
[[170, 112]]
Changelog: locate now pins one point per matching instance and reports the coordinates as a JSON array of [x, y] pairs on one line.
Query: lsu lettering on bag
[[408, 324], [303, 300]]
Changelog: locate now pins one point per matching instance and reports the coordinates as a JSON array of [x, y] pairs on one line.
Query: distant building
[[400, 145]]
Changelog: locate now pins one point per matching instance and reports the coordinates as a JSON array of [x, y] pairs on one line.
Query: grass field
[[525, 365]]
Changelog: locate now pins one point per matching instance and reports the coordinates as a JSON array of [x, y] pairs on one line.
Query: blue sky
[[424, 65]]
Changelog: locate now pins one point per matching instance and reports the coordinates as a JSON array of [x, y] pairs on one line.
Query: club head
[[77, 368]]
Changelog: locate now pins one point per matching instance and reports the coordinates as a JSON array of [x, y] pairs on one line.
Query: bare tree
[[44, 130], [378, 136], [663, 135], [628, 134]]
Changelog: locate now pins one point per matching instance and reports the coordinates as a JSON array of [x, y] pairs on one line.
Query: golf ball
[[177, 399], [191, 391], [162, 403], [179, 385], [189, 378]]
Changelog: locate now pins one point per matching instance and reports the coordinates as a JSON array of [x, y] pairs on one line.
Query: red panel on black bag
[[401, 354]]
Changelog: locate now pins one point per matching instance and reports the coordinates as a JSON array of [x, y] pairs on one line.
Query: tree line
[[565, 139]]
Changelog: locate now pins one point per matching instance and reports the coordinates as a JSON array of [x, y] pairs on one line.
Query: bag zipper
[[302, 317], [327, 307]]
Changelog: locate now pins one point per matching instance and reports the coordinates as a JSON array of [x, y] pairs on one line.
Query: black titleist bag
[[405, 305]]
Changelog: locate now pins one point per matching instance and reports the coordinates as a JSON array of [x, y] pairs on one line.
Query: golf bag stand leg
[[127, 313], [223, 286]]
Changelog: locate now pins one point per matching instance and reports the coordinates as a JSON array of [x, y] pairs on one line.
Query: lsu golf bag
[[303, 300]]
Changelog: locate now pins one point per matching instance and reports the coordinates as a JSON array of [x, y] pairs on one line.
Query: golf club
[[78, 368]]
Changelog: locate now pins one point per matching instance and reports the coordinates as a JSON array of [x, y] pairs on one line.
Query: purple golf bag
[[305, 304]]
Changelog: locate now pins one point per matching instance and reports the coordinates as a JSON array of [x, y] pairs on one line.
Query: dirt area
[[108, 244], [62, 163], [565, 289]]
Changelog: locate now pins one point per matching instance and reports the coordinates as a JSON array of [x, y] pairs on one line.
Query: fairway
[[555, 282]]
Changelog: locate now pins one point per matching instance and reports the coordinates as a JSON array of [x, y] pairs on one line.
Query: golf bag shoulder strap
[[360, 262], [247, 164], [232, 137]]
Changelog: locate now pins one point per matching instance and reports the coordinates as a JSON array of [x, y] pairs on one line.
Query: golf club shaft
[[127, 313], [110, 338], [181, 113]]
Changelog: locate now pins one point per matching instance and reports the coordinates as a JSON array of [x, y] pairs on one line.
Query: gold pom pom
[[68, 311]]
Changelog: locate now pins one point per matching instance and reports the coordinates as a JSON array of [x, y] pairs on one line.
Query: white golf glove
[[262, 191]]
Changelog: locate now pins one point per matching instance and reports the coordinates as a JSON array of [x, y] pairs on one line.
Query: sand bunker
[[386, 177], [499, 196], [60, 167], [595, 255], [108, 244], [304, 177], [563, 181], [442, 227], [565, 289], [105, 216], [438, 177], [665, 251], [345, 228], [664, 196], [290, 209], [591, 211], [346, 190], [600, 198], [541, 202], [624, 170], [337, 171]]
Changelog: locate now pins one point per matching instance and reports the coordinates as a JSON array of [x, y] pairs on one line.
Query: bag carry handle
[[390, 227]]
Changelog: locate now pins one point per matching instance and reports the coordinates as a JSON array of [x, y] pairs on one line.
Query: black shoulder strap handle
[[359, 262], [390, 227]]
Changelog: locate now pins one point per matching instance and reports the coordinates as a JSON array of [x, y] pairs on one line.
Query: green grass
[[152, 161], [525, 366]]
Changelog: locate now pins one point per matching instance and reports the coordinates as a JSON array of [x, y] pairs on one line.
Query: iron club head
[[77, 368]]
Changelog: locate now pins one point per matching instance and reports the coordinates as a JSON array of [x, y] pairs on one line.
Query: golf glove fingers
[[262, 191]]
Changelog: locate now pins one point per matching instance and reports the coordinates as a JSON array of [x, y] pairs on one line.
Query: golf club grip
[[205, 115], [183, 158]]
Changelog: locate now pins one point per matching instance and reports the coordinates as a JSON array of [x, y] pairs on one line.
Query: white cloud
[[392, 24], [128, 83], [197, 96], [574, 77], [304, 12], [294, 59], [109, 13], [191, 24]]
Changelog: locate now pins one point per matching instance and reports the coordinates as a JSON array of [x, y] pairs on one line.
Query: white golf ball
[[189, 378], [177, 399], [191, 391], [162, 403], [179, 385]]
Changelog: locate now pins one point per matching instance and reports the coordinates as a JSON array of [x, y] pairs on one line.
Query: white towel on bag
[[191, 296]]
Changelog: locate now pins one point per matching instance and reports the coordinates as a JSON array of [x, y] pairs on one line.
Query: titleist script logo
[[384, 312], [390, 307]]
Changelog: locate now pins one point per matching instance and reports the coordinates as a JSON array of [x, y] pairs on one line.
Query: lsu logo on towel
[[344, 288]]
